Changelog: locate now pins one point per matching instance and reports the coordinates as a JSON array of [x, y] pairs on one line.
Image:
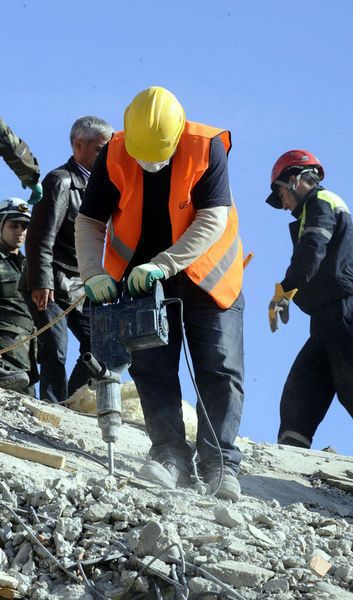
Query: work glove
[[143, 277], [101, 288], [37, 193], [279, 305]]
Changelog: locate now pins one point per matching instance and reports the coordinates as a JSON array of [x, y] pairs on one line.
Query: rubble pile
[[74, 532]]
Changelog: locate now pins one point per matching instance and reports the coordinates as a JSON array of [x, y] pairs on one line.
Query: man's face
[[14, 233], [86, 151], [289, 202]]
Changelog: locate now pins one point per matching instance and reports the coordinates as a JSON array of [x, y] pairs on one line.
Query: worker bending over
[[162, 186]]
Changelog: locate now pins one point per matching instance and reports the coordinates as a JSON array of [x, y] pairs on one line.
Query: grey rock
[[24, 552], [197, 585], [276, 586], [239, 574], [41, 498], [7, 495], [229, 516], [3, 560], [70, 529], [98, 512], [149, 535]]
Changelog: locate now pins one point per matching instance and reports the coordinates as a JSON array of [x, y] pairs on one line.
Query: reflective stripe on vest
[[219, 270]]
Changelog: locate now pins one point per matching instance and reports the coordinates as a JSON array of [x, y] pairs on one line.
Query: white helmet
[[15, 209]]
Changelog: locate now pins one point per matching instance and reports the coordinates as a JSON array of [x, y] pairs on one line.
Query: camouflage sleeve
[[18, 156]]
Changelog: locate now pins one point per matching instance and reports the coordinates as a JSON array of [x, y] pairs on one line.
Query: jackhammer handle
[[94, 366]]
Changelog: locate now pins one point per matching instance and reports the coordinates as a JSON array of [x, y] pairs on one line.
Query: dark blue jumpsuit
[[322, 270]]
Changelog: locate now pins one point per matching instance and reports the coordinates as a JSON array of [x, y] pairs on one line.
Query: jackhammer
[[118, 329]]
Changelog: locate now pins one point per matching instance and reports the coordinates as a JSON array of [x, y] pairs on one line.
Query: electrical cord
[[197, 391]]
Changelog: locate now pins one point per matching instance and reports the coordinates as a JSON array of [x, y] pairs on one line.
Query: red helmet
[[301, 159]]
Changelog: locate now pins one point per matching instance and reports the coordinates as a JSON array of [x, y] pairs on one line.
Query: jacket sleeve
[[46, 220], [18, 156], [310, 250]]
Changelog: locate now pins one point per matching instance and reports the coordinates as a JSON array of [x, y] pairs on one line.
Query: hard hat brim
[[24, 218], [148, 154]]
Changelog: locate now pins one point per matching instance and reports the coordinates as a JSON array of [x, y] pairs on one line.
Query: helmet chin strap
[[291, 186]]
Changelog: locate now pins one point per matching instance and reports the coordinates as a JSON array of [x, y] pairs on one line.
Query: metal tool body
[[118, 329]]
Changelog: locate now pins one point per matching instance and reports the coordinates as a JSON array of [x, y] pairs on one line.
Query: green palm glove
[[143, 277], [101, 288], [37, 193]]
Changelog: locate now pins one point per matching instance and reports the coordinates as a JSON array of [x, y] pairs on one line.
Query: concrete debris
[[76, 532]]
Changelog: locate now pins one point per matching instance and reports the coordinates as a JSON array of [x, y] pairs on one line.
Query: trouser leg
[[336, 323], [155, 373], [307, 395], [215, 340], [78, 323], [52, 349]]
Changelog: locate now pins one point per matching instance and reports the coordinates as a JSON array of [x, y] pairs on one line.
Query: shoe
[[12, 379], [230, 486], [165, 473]]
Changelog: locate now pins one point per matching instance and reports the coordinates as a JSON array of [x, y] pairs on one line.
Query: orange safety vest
[[219, 271]]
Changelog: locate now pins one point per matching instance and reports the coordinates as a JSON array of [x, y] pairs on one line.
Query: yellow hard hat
[[153, 124]]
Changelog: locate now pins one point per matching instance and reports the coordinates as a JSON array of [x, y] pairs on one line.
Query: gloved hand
[[37, 193], [101, 288], [142, 278], [280, 305]]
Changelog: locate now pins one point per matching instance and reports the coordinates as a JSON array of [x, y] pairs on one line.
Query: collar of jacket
[[5, 252], [78, 179], [311, 194]]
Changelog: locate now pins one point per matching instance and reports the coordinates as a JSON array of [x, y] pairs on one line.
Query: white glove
[[101, 288], [142, 278]]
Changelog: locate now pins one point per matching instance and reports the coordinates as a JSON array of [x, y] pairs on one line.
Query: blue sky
[[277, 74]]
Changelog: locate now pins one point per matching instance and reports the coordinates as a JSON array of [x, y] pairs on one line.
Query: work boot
[[230, 486], [163, 473], [11, 379]]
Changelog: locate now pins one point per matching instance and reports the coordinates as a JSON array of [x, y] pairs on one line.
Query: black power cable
[[197, 391]]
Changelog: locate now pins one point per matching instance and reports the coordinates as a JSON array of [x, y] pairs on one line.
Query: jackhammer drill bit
[[108, 397]]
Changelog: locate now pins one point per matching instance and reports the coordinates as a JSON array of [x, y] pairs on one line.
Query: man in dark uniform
[[17, 367], [320, 281], [19, 158]]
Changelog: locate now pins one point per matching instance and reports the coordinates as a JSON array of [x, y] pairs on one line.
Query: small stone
[[327, 531], [237, 548], [276, 586], [260, 536], [228, 516], [319, 565], [3, 560], [239, 574]]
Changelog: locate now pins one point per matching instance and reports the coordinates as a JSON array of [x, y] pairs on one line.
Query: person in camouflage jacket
[[18, 368], [21, 161]]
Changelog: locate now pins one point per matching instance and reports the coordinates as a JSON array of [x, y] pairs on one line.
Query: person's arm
[[18, 156], [310, 250], [100, 199], [89, 240], [207, 227], [47, 218], [212, 199]]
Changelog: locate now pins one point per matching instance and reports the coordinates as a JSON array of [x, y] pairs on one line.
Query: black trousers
[[323, 368], [215, 341]]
